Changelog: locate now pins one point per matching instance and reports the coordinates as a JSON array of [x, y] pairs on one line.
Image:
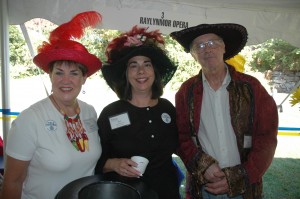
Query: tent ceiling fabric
[[263, 19]]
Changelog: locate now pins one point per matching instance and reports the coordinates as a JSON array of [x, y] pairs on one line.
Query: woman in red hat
[[55, 141], [141, 123]]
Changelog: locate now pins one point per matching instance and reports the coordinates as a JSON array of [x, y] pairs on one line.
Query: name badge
[[119, 121], [247, 141]]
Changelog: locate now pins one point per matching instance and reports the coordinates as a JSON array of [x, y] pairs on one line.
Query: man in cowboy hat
[[227, 121]]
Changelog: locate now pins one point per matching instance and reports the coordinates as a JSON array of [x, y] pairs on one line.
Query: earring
[[83, 91]]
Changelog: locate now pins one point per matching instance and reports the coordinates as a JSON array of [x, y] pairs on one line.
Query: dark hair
[[82, 67], [123, 89]]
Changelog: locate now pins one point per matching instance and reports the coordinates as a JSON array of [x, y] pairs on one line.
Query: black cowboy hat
[[234, 36]]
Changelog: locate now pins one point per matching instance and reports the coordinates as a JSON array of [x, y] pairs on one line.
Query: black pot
[[104, 187]]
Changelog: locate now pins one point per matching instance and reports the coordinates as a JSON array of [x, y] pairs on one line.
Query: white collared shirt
[[216, 134]]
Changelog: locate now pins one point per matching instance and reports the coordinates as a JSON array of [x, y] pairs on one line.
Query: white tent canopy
[[263, 19]]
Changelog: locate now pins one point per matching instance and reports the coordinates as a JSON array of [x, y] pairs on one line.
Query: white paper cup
[[141, 163]]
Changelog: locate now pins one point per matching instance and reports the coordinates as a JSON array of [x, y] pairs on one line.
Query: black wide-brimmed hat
[[62, 44], [133, 43], [234, 36]]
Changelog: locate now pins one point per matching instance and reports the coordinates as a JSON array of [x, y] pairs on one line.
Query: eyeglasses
[[211, 43]]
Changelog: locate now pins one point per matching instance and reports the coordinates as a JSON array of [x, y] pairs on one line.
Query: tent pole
[[27, 39], [5, 75], [29, 44]]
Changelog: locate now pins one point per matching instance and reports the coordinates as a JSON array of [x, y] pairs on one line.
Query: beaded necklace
[[75, 130]]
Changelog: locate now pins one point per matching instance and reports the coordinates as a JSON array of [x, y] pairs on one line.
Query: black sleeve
[[103, 131]]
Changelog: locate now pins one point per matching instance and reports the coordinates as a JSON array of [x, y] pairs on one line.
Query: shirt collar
[[226, 80]]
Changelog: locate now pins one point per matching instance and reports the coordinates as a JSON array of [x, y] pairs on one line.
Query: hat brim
[[92, 63], [113, 72], [234, 36]]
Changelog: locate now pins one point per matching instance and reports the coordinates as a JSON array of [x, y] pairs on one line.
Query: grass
[[281, 181]]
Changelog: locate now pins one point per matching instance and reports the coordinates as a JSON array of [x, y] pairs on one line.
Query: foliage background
[[96, 41], [274, 54]]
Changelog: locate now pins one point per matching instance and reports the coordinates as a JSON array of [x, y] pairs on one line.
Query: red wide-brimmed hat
[[61, 45], [234, 36]]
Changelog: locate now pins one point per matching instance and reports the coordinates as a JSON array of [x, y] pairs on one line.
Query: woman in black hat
[[140, 123]]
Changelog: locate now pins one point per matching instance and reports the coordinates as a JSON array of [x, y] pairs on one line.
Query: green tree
[[20, 58], [17, 47], [275, 54], [96, 41], [187, 66]]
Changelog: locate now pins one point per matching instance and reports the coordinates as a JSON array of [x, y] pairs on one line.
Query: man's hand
[[217, 183], [209, 173], [218, 187]]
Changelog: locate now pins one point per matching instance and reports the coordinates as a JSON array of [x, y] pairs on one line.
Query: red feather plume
[[62, 35], [75, 27]]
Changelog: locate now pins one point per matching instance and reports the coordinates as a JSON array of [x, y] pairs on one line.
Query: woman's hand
[[122, 166]]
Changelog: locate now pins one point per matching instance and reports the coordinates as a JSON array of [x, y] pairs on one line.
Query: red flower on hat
[[137, 36], [136, 40]]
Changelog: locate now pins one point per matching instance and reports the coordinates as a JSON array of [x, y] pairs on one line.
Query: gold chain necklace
[[75, 130]]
